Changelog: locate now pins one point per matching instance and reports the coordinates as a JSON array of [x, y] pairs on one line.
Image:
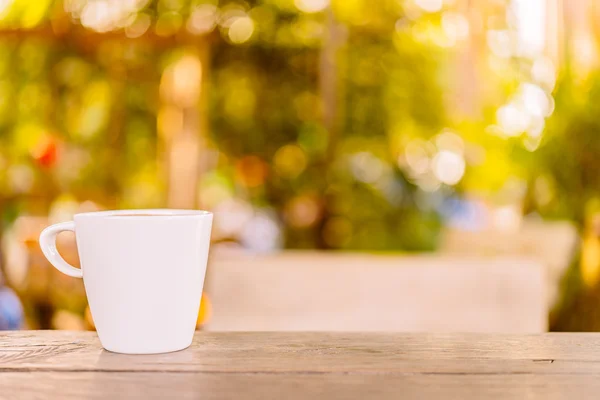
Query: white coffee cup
[[143, 272]]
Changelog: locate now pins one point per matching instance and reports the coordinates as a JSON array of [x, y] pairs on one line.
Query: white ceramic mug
[[143, 272]]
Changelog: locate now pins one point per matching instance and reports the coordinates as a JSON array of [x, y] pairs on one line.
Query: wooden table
[[72, 365]]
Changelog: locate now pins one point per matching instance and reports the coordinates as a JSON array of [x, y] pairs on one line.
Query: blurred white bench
[[553, 244], [330, 291]]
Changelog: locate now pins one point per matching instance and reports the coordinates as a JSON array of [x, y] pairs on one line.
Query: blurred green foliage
[[85, 122], [565, 184], [569, 188]]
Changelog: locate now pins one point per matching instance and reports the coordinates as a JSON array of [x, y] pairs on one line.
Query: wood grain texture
[[94, 385], [72, 365]]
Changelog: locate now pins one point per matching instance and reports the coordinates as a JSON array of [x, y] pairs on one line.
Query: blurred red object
[[46, 152]]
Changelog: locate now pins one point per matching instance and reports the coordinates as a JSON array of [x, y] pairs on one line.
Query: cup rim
[[142, 213]]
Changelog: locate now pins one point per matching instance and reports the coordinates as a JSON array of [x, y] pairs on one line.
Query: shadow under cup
[[143, 272]]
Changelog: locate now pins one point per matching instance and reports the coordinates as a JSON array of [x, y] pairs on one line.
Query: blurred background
[[410, 131]]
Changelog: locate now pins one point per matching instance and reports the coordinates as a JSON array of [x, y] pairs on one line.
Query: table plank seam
[[300, 373]]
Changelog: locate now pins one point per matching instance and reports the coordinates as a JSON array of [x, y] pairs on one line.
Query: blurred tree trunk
[[468, 93], [330, 94], [184, 126], [555, 26], [329, 82], [581, 41]]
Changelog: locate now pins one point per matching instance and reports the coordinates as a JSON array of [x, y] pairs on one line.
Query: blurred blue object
[[464, 214], [11, 311]]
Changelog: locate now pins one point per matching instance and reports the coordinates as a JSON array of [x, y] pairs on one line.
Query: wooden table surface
[[72, 365]]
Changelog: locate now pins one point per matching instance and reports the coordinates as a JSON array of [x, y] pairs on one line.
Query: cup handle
[[48, 245]]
